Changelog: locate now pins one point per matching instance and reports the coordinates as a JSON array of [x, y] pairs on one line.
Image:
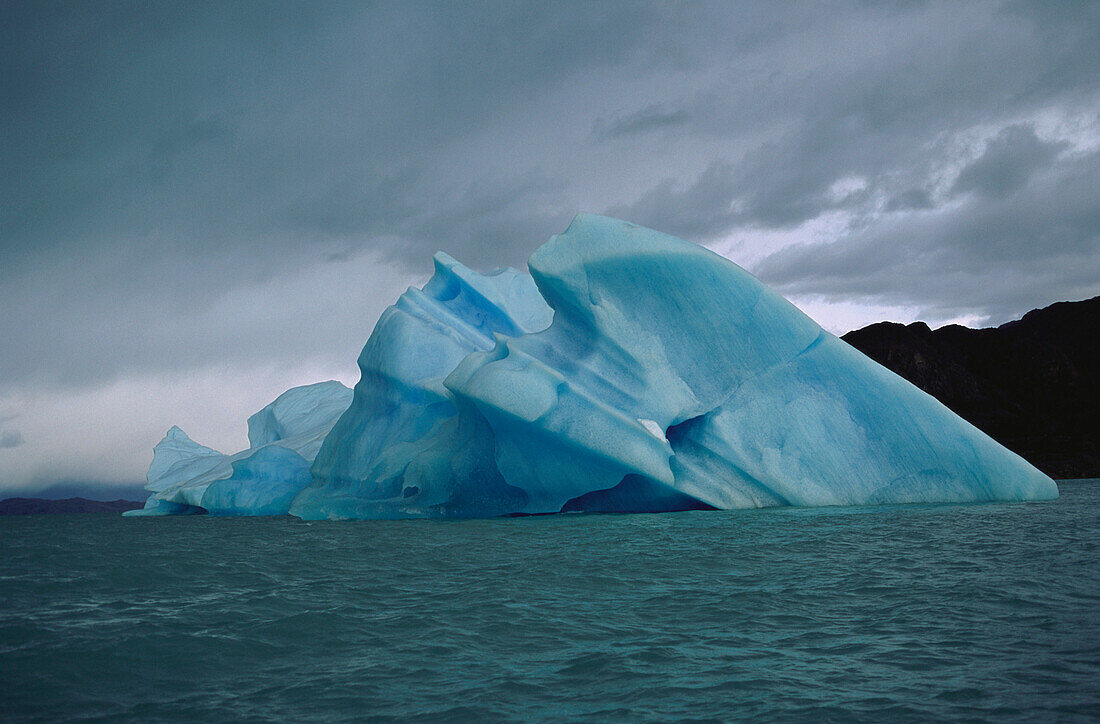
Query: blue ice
[[284, 437], [630, 371], [633, 371]]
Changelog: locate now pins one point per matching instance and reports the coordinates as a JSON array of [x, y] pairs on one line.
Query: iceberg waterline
[[630, 371]]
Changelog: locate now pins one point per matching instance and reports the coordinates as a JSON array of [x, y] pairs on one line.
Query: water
[[903, 612]]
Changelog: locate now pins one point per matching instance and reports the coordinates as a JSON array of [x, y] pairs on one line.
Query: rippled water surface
[[914, 612]]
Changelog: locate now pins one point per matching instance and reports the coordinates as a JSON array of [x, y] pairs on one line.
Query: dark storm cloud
[[698, 211], [988, 255], [1008, 162], [222, 120], [650, 118], [912, 199], [488, 221], [867, 95]]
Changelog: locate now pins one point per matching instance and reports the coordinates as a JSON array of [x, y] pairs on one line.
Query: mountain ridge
[[43, 506], [1032, 384]]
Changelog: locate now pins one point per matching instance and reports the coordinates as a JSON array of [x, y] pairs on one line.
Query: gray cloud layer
[[197, 184], [994, 248], [1008, 162]]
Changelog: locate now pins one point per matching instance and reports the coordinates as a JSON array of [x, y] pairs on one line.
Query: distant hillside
[[1033, 384], [39, 506]]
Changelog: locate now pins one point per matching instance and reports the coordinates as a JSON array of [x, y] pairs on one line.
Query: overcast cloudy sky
[[202, 205]]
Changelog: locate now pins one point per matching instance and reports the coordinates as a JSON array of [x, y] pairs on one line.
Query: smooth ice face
[[300, 414], [284, 437], [670, 379]]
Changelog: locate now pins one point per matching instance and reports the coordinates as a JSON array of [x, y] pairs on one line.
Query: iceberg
[[633, 371], [630, 371], [186, 478]]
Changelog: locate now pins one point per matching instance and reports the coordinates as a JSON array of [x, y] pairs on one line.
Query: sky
[[205, 204]]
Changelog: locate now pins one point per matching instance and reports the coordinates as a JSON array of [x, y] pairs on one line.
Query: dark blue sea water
[[902, 613]]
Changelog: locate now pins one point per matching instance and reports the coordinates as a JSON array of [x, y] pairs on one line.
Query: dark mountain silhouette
[[1032, 384], [41, 506]]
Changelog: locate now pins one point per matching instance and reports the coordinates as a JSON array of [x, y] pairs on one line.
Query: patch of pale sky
[[107, 432], [746, 246]]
